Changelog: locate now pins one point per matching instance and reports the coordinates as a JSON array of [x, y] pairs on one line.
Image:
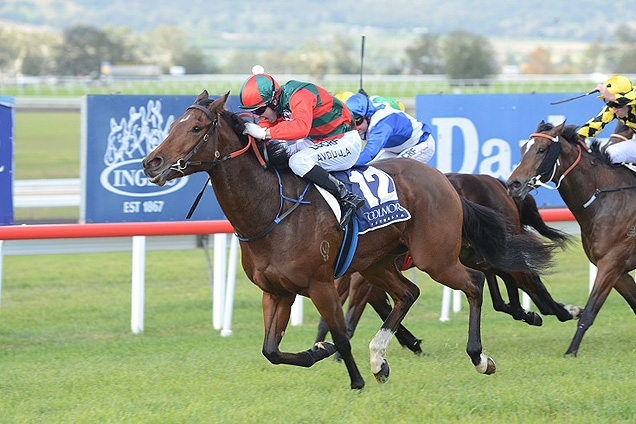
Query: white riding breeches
[[624, 151], [421, 152], [331, 155]]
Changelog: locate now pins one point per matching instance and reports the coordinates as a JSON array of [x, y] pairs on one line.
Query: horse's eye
[[541, 150], [196, 129]]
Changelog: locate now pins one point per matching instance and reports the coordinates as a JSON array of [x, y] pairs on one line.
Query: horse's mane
[[276, 153], [570, 134]]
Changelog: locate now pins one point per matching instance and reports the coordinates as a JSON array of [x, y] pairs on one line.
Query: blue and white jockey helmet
[[360, 105]]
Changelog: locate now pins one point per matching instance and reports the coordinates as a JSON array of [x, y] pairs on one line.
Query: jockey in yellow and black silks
[[619, 96]]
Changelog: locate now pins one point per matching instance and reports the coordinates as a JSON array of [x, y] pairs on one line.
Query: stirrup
[[347, 214], [348, 205]]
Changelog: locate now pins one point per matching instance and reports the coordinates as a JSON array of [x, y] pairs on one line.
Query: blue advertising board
[[118, 132], [7, 122], [483, 133]]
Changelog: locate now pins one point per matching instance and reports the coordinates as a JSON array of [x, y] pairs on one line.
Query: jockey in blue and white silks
[[389, 132]]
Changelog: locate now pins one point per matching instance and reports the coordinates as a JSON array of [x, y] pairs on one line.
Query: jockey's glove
[[254, 130]]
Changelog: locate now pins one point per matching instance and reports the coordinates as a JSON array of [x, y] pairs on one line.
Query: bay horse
[[598, 193], [287, 253], [490, 192]]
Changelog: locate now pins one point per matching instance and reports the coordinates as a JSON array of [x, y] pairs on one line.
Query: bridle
[[181, 164], [550, 163]]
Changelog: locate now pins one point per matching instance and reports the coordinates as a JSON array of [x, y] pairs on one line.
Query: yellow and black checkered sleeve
[[596, 124]]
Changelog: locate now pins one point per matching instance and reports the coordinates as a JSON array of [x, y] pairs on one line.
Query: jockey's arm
[[596, 124], [376, 140], [301, 104]]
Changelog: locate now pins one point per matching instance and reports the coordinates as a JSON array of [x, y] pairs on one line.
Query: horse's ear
[[219, 103], [559, 128], [204, 95]]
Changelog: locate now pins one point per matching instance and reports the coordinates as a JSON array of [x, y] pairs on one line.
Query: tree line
[[80, 50]]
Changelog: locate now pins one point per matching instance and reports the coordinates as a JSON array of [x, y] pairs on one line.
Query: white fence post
[[457, 301], [218, 295], [525, 301], [446, 301], [229, 290], [297, 311], [593, 272], [1, 257], [138, 283]]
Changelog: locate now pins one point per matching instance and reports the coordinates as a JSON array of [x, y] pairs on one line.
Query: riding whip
[[361, 90], [574, 98]]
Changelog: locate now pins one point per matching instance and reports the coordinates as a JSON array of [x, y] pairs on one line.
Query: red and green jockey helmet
[[258, 91]]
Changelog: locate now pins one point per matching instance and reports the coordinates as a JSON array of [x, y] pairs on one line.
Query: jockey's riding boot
[[349, 202]]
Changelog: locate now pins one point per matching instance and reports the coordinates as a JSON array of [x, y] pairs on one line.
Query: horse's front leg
[[342, 287], [404, 293], [327, 302], [276, 312], [606, 278]]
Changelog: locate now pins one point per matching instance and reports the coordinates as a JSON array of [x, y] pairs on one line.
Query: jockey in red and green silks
[[320, 126]]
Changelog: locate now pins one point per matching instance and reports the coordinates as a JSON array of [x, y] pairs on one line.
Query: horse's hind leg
[[514, 307], [531, 283], [385, 275], [379, 300], [469, 281]]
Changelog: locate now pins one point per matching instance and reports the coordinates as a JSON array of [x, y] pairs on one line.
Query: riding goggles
[[260, 110], [618, 103], [359, 119]]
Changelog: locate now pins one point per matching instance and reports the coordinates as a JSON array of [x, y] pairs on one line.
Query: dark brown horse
[[602, 197], [289, 254], [486, 191]]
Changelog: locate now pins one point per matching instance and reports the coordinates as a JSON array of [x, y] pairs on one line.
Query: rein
[[182, 164], [622, 137]]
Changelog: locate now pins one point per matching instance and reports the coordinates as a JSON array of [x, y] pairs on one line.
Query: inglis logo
[[129, 141]]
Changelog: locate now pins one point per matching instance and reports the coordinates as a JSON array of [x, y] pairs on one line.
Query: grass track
[[67, 354]]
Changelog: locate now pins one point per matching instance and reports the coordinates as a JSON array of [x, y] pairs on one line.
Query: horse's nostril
[[155, 162]]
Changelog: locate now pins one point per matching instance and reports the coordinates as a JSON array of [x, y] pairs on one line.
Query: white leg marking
[[377, 348], [483, 364]]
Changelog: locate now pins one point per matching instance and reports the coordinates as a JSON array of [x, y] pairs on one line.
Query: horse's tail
[[531, 217], [485, 231]]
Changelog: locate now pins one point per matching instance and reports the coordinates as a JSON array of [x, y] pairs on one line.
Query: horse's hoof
[[575, 311], [415, 347], [486, 365], [322, 350], [536, 319], [383, 375], [337, 357], [357, 385]]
